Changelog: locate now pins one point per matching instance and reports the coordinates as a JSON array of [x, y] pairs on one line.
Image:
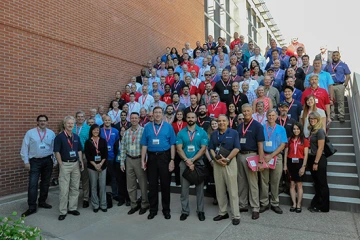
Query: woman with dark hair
[[317, 163], [232, 116], [178, 124], [257, 74], [174, 53], [96, 153], [254, 64], [296, 153], [298, 75]]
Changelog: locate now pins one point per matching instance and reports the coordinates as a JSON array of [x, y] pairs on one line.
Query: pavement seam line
[[356, 227], [226, 226]]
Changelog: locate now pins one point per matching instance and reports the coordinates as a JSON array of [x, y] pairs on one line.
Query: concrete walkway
[[116, 224]]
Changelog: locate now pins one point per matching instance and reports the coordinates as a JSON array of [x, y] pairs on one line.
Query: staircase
[[341, 171]]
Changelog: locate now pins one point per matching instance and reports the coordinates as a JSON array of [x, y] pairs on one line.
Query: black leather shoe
[[151, 215], [201, 216], [104, 210], [95, 210], [133, 210], [255, 215], [116, 198], [183, 217], [45, 205], [85, 204], [245, 209], [120, 203], [127, 203], [62, 217], [277, 209], [142, 211], [219, 217], [236, 221], [264, 208], [75, 213], [28, 212], [167, 215], [215, 202]]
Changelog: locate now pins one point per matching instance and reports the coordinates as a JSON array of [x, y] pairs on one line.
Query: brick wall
[[57, 57]]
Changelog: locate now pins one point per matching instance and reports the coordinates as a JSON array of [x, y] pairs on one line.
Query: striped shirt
[[130, 143]]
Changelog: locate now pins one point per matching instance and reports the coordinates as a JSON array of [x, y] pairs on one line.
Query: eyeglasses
[[207, 75], [42, 121], [214, 96]]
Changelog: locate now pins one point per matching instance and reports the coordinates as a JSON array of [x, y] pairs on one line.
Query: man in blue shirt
[[275, 140], [225, 169], [158, 143], [325, 79], [251, 135], [82, 130], [275, 56], [68, 153], [191, 143], [274, 47], [340, 73], [294, 106]]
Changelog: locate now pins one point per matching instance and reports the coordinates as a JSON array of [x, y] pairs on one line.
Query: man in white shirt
[[133, 106], [37, 154], [145, 100], [133, 82], [115, 112], [153, 77], [261, 60], [253, 84], [194, 80], [162, 71], [205, 67], [188, 49], [157, 102]]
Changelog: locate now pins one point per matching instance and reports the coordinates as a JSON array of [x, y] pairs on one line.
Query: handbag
[[198, 175], [329, 149]]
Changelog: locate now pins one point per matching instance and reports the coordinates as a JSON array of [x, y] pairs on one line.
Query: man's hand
[[122, 167], [171, 166], [267, 158], [192, 167], [143, 165], [188, 162], [222, 161], [27, 166], [260, 167]]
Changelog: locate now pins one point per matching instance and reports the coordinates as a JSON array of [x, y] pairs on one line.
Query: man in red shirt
[[170, 77], [216, 107], [193, 66], [167, 95], [236, 41], [186, 60], [202, 88], [322, 99]]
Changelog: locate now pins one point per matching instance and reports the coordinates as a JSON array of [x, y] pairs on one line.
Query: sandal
[[292, 209], [298, 210]]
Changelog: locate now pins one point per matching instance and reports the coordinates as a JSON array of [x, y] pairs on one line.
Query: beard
[[190, 123], [202, 114]]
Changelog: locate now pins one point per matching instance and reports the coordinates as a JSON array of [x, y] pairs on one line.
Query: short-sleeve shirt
[[321, 97], [319, 135], [200, 139], [228, 140], [294, 109], [253, 135], [82, 132], [324, 80], [338, 71], [62, 146], [163, 140], [299, 148], [276, 135]]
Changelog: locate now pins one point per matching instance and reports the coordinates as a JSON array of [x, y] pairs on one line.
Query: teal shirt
[[200, 139], [83, 134], [276, 136]]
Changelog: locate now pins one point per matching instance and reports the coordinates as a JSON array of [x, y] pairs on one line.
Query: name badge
[[316, 100], [212, 115], [156, 141], [252, 163], [191, 148], [271, 162], [97, 158], [217, 149], [72, 154], [333, 75], [132, 147], [289, 115], [109, 148], [268, 143], [242, 140], [42, 146], [295, 160], [226, 91]]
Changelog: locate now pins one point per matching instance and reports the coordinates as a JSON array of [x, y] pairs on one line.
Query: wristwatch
[[316, 163]]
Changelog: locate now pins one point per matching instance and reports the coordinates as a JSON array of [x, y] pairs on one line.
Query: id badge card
[[226, 91], [42, 146], [156, 141], [72, 154], [271, 162], [252, 163], [212, 115], [316, 100], [243, 140], [295, 160], [132, 147], [97, 158], [268, 143], [109, 148], [217, 149], [191, 148], [333, 75], [289, 115]]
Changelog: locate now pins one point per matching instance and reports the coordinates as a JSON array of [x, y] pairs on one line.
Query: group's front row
[[145, 156]]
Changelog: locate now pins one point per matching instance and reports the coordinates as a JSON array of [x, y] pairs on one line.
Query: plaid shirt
[[127, 141]]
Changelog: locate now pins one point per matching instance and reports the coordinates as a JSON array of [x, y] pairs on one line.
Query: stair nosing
[[343, 164], [343, 144], [341, 136], [335, 174], [336, 186], [332, 198]]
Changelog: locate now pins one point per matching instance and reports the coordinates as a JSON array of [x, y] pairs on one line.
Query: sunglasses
[[207, 75], [214, 96]]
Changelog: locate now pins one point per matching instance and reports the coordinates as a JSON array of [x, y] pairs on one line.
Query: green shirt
[[83, 133]]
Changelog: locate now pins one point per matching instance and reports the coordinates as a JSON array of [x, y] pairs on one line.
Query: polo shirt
[[320, 94], [152, 92], [178, 106], [166, 137], [62, 146], [194, 67], [253, 135], [228, 140], [154, 79], [271, 64], [299, 148], [276, 135], [269, 53], [338, 71], [237, 100], [275, 84], [112, 136], [167, 98], [115, 117], [98, 119], [240, 69], [297, 94], [214, 110], [170, 80], [295, 109], [287, 124], [204, 122], [223, 89], [177, 86], [325, 80], [200, 139], [134, 107], [83, 133], [279, 75]]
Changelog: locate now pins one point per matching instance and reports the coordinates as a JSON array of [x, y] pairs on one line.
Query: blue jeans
[[39, 168]]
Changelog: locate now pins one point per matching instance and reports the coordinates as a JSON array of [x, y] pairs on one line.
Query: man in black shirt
[[237, 98], [194, 107], [223, 87], [203, 120]]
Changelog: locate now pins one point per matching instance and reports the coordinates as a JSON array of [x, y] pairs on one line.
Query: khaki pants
[[69, 180], [273, 177], [85, 180], [133, 172], [339, 92], [226, 179], [248, 184]]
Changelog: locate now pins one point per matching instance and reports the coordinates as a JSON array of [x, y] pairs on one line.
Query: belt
[[268, 152], [42, 158], [338, 83], [247, 152], [136, 157], [74, 160], [158, 153]]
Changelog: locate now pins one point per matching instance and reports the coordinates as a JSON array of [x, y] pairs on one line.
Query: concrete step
[[343, 139], [337, 178], [340, 131], [337, 124], [335, 190], [341, 167], [342, 157], [344, 147]]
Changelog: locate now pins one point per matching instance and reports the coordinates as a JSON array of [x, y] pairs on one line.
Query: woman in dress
[[261, 97], [310, 106]]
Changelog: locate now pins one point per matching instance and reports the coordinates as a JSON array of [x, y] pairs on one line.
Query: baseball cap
[[271, 69], [284, 104]]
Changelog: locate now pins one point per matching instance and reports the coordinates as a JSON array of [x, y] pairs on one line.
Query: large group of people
[[253, 120]]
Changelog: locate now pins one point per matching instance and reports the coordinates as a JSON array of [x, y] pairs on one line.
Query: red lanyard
[[269, 134], [144, 99], [244, 131], [237, 99], [144, 120], [68, 140], [291, 104], [41, 138], [176, 85], [115, 116], [107, 137], [208, 98], [157, 132], [282, 124], [191, 109], [96, 145], [333, 68], [134, 135], [176, 108], [124, 125], [296, 146], [257, 117], [200, 123], [307, 70], [277, 73], [180, 126], [191, 136], [231, 121], [228, 82], [78, 131], [215, 106], [313, 91]]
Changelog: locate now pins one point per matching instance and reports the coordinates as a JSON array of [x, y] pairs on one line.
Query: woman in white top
[[310, 106]]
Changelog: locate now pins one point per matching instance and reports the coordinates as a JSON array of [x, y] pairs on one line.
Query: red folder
[[254, 160]]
